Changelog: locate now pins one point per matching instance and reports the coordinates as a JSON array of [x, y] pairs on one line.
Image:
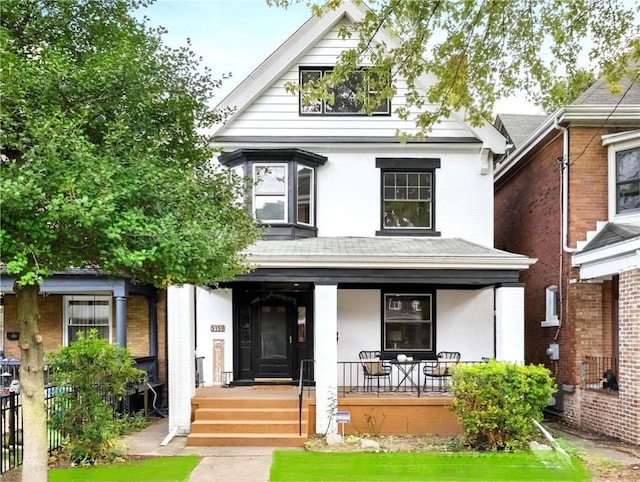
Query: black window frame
[[413, 292], [323, 104], [631, 181], [408, 166], [249, 159]]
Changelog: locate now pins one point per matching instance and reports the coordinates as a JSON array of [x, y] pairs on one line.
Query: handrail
[[300, 396]]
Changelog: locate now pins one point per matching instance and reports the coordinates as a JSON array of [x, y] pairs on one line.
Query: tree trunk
[[34, 437]]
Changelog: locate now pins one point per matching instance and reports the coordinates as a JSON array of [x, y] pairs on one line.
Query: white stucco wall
[[465, 323], [348, 191], [214, 307], [510, 324], [359, 322]]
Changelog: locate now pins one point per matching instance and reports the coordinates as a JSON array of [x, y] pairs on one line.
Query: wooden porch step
[[247, 426], [246, 440], [239, 414], [263, 403]]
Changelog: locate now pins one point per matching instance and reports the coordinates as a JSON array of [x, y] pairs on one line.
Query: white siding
[[276, 111]]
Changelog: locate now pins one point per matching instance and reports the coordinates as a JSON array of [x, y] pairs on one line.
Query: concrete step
[[246, 440], [248, 414]]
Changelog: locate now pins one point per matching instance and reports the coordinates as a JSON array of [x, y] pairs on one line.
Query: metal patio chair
[[439, 369], [374, 369]]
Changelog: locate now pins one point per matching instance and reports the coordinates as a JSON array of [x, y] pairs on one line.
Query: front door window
[[273, 334]]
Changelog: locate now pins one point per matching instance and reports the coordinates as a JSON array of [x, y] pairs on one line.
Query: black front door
[[273, 343], [272, 332]]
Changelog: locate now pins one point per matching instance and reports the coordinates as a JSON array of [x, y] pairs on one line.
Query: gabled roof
[[313, 30], [600, 93], [597, 106], [612, 233], [289, 52], [518, 127]]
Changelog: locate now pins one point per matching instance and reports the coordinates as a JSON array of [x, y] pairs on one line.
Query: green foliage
[[98, 375], [496, 402], [105, 163], [473, 53], [564, 91]]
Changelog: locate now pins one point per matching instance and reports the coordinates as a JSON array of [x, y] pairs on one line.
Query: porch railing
[[408, 379], [304, 380], [599, 373]]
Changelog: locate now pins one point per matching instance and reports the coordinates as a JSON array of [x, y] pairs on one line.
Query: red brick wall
[[527, 221]]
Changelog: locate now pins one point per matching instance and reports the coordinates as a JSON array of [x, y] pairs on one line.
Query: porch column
[[153, 326], [510, 323], [181, 356], [326, 356], [121, 321]]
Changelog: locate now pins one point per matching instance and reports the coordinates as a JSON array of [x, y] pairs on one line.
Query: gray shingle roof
[[600, 93], [611, 234], [518, 127], [382, 247]]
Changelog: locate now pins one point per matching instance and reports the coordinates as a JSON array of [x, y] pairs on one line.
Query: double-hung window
[[270, 192], [628, 180], [83, 313], [408, 322], [347, 97], [407, 196]]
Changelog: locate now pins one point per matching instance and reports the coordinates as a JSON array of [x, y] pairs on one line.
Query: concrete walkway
[[244, 464], [222, 464]]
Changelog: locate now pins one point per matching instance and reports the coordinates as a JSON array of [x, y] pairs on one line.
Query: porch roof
[[383, 253]]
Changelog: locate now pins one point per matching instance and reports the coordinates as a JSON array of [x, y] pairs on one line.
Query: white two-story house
[[371, 244]]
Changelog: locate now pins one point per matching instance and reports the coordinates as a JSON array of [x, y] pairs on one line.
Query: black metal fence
[[388, 377], [11, 421], [599, 373]]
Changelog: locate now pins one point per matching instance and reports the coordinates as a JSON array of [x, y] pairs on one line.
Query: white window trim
[[616, 143], [268, 165], [65, 313], [551, 307]]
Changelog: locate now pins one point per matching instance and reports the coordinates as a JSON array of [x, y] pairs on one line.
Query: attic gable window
[[346, 100]]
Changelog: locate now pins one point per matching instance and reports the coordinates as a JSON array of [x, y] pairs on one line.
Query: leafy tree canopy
[[476, 52], [104, 160]]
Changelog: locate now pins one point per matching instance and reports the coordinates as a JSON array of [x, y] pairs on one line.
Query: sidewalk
[[243, 464], [224, 464]]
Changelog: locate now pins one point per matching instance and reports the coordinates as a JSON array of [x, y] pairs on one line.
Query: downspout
[[564, 235]]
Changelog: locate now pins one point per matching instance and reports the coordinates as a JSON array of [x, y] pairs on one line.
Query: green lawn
[[403, 466], [160, 469]]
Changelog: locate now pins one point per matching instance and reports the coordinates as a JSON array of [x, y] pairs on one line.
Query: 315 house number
[[217, 328]]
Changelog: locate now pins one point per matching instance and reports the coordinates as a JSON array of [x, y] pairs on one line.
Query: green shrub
[[98, 375], [496, 402]]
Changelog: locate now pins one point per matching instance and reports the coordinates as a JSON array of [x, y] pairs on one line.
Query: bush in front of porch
[[93, 376], [497, 401]]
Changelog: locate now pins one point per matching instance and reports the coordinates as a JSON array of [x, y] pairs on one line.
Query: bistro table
[[405, 372]]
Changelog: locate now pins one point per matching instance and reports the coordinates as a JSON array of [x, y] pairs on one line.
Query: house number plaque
[[217, 328]]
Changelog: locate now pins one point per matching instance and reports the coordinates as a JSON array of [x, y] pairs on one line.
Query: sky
[[238, 35]]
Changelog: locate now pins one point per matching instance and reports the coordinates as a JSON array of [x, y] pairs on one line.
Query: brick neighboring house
[[569, 195], [129, 315]]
